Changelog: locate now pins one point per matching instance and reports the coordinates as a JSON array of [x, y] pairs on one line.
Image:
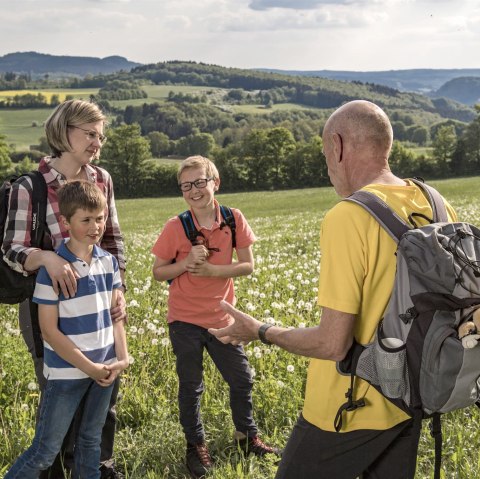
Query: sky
[[353, 35]]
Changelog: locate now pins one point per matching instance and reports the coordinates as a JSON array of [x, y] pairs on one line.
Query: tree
[[196, 144], [5, 161], [253, 154], [126, 156], [24, 166], [444, 145], [471, 143], [280, 143], [159, 143], [402, 161]]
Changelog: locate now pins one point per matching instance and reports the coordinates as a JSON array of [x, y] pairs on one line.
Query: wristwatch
[[262, 331]]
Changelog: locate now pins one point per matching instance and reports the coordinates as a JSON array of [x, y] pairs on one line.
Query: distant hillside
[[464, 89], [300, 89], [418, 80], [37, 64]]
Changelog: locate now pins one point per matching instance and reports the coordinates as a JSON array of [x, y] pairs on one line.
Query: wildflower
[[32, 386], [131, 359], [290, 368], [165, 342], [154, 341], [280, 384]]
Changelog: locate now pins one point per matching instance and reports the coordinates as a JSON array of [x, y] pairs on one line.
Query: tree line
[[268, 158]]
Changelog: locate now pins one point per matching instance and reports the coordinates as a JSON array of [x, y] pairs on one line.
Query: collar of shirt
[[65, 253], [51, 174], [216, 224]]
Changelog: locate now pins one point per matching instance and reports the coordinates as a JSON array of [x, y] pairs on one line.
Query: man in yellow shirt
[[356, 281]]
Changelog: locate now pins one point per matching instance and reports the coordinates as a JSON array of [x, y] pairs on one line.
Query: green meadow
[[282, 288]]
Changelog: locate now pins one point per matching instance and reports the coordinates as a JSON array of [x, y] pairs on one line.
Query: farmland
[[282, 288]]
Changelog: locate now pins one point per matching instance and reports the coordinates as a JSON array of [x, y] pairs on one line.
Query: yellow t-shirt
[[356, 276]]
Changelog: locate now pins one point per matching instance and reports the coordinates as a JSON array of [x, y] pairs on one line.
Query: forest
[[235, 119]]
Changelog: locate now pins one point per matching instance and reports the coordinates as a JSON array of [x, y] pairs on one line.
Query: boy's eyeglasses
[[92, 135], [200, 183]]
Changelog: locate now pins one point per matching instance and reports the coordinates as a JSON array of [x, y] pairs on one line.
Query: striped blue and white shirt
[[85, 318]]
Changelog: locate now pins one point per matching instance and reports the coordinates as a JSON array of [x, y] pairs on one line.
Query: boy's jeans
[[108, 433], [188, 343], [61, 399]]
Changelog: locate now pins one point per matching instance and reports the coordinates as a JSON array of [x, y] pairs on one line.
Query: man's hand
[[242, 331], [119, 311]]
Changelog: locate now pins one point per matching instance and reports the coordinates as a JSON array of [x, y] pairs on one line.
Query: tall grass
[[150, 442]]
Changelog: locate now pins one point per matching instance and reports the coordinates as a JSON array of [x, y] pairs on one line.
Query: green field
[[18, 125], [150, 443]]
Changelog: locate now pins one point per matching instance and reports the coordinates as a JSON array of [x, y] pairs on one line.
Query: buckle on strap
[[348, 406]]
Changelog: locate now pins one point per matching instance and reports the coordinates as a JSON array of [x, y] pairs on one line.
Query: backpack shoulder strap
[[229, 220], [435, 199], [188, 224], [39, 207], [395, 226]]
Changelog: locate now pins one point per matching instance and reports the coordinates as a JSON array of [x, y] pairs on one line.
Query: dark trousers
[[369, 454], [188, 342], [108, 432]]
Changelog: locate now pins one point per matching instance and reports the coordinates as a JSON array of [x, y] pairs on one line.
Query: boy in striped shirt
[[84, 350]]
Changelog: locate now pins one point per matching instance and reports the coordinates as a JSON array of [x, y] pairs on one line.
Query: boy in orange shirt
[[201, 277]]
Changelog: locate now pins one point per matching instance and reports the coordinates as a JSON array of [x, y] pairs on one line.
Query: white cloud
[[287, 34]]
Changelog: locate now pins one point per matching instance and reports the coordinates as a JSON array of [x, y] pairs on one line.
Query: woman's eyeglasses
[[92, 135]]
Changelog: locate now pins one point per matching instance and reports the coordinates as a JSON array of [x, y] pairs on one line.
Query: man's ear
[[337, 146]]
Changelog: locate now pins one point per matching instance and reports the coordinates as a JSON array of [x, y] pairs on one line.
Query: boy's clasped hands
[[196, 261], [105, 374]]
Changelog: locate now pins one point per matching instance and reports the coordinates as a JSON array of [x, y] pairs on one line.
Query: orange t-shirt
[[196, 299]]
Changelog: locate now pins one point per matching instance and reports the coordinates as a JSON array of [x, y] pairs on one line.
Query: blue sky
[[361, 35]]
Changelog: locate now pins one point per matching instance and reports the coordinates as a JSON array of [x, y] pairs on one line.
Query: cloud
[[293, 4], [326, 17], [312, 4]]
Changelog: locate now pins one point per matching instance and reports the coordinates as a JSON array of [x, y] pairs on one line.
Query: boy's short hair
[[69, 113], [80, 194], [198, 161]]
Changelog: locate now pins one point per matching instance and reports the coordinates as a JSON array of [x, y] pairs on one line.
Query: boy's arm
[[242, 267], [66, 349], [120, 341], [164, 269]]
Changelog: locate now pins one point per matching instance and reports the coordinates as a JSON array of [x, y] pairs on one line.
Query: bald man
[[357, 272]]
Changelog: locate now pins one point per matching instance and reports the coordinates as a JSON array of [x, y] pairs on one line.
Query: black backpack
[[417, 359], [195, 236], [14, 286]]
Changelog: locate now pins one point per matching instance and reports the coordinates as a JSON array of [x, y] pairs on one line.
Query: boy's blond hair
[[198, 161], [80, 194], [69, 113]]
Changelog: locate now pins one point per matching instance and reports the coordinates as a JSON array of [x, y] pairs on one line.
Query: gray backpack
[[417, 360]]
